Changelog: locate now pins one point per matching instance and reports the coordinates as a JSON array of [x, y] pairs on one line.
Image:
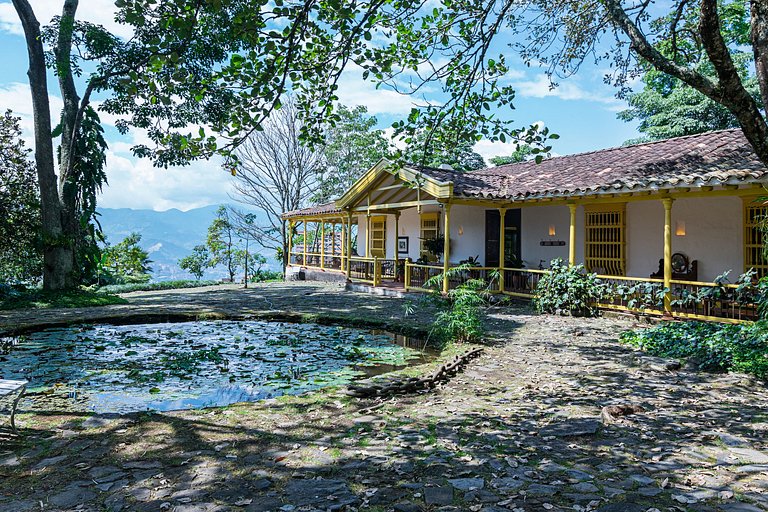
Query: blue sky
[[582, 110]]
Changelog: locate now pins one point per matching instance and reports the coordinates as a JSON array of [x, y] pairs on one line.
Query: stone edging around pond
[[414, 384]]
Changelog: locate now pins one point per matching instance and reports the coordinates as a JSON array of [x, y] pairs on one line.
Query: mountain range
[[168, 236]]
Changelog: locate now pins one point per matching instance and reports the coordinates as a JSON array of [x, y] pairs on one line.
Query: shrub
[[568, 290], [712, 346], [460, 315]]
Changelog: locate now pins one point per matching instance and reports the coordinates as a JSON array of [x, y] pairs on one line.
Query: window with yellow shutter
[[754, 215], [605, 249], [378, 236]]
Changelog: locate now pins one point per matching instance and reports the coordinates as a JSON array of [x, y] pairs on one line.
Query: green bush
[[160, 285], [568, 290], [712, 346]]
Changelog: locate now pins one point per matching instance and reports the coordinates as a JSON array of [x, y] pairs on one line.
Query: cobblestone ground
[[519, 430]]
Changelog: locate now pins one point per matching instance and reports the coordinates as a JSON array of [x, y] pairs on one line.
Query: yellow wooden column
[[502, 256], [322, 245], [368, 235], [446, 245], [343, 245], [667, 202], [290, 241], [304, 257], [397, 234], [572, 236], [349, 244]]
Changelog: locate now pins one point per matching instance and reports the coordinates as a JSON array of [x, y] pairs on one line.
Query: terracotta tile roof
[[713, 158], [322, 209]]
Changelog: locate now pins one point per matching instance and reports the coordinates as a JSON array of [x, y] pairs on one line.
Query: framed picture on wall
[[402, 245]]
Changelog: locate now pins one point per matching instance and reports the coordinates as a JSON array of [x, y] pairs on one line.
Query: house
[[669, 216]]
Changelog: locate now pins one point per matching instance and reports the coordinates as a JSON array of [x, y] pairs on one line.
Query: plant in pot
[[435, 246], [518, 279]]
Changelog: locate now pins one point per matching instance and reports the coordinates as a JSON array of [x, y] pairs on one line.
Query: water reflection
[[118, 369]]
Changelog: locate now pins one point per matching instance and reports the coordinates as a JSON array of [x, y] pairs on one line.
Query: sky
[[582, 110]]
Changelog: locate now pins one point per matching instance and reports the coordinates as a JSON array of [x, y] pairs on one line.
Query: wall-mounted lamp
[[551, 230], [461, 230], [680, 228]]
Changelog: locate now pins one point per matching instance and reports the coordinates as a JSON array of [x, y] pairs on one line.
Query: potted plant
[[435, 246]]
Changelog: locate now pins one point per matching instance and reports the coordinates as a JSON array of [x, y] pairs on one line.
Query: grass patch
[[41, 299], [148, 287]]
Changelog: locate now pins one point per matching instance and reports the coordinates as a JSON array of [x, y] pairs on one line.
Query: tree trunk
[[58, 250]]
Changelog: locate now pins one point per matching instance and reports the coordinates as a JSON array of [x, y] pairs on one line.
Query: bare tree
[[277, 173]]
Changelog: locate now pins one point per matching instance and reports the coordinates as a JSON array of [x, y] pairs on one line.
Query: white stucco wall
[[535, 228], [467, 233], [713, 235]]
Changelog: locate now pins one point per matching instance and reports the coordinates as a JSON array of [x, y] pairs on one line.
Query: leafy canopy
[[20, 258]]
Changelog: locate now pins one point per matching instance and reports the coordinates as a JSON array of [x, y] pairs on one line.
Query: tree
[[450, 46], [277, 173], [352, 145], [701, 44], [20, 259], [126, 261], [668, 107], [175, 45], [197, 262], [222, 242], [521, 154], [460, 157]]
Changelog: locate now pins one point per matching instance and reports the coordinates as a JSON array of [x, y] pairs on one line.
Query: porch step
[[383, 291]]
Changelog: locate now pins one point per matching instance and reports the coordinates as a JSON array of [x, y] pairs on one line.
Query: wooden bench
[[12, 390]]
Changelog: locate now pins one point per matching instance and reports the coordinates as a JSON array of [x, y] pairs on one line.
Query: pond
[[171, 366]]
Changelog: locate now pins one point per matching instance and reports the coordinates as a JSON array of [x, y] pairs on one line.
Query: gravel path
[[519, 430]]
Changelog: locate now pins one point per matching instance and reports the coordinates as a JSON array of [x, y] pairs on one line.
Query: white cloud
[[101, 12], [135, 183], [18, 98], [569, 90]]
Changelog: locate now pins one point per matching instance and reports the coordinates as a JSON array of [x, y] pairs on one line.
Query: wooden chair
[[686, 270]]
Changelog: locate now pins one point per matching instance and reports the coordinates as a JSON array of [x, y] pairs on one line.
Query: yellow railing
[[521, 282]]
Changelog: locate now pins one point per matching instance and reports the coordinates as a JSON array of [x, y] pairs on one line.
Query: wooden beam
[[572, 236], [394, 206]]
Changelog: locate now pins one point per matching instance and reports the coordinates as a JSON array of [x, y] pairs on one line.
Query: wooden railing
[[521, 282], [317, 260], [633, 294], [695, 299], [416, 276], [689, 299]]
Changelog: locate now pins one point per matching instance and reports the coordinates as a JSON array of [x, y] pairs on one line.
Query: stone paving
[[520, 430]]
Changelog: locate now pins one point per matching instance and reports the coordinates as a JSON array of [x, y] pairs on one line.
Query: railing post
[[446, 246], [376, 271], [407, 277], [572, 236], [502, 256], [667, 202]]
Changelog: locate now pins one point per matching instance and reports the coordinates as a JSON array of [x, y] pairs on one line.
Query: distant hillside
[[168, 236]]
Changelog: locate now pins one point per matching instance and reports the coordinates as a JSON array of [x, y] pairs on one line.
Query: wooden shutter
[[605, 249]]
